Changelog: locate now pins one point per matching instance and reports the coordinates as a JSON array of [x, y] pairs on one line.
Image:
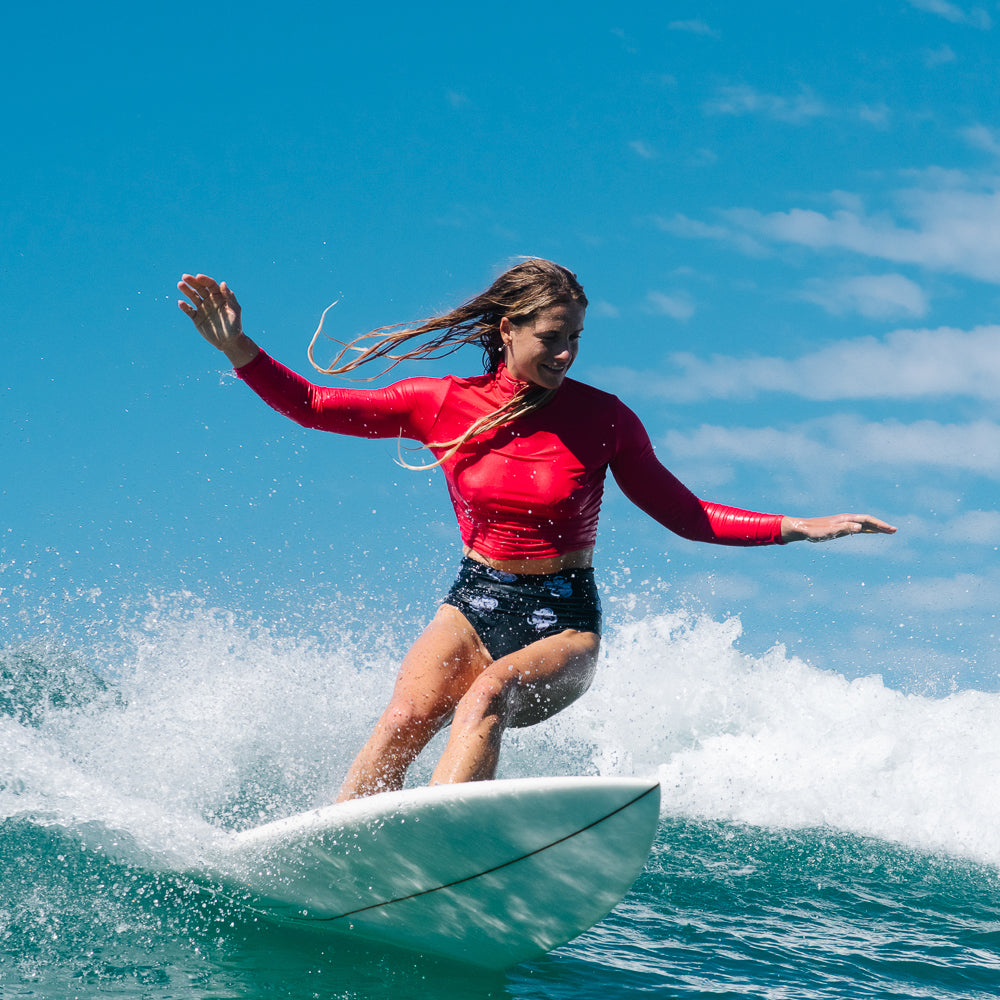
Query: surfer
[[524, 451]]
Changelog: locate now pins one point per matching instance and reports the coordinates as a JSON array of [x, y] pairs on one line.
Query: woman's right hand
[[216, 314]]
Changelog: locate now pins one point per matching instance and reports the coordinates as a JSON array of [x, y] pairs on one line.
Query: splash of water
[[200, 723]]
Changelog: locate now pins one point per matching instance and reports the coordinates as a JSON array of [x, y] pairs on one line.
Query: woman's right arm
[[216, 314], [406, 409]]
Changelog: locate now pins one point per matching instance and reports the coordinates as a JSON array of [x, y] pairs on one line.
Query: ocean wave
[[203, 722]]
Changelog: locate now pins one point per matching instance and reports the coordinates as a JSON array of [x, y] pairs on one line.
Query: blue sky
[[786, 217]]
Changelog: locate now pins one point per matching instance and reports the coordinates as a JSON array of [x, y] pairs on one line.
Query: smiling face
[[541, 349]]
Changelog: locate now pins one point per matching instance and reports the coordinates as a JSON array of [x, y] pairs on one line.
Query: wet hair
[[519, 293]]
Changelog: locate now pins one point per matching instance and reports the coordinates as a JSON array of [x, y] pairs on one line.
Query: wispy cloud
[[878, 115], [942, 594], [846, 443], [681, 225], [739, 100], [906, 364], [946, 221], [627, 43], [695, 27], [642, 149], [676, 306], [974, 527], [982, 137], [875, 296], [976, 17], [939, 57], [744, 100]]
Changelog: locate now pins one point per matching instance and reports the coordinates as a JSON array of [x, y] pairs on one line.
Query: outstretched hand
[[216, 314], [822, 529]]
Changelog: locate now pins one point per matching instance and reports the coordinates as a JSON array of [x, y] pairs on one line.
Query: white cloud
[[957, 593], [939, 56], [882, 296], [626, 41], [660, 79], [643, 149], [951, 222], [695, 27], [983, 137], [605, 309], [761, 446], [681, 225], [845, 443], [976, 17], [976, 527], [677, 306], [875, 114], [744, 100], [906, 364], [741, 99]]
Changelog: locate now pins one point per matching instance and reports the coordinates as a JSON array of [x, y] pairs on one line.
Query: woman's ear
[[505, 332]]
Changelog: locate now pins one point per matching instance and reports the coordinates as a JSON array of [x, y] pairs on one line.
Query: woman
[[524, 452]]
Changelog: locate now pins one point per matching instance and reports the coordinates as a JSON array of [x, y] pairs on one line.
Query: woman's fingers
[[822, 529], [869, 523], [212, 307]]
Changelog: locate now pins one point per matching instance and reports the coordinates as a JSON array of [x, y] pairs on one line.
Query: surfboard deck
[[486, 873]]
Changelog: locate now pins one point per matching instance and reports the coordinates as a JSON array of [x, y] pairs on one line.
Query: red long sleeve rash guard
[[532, 488]]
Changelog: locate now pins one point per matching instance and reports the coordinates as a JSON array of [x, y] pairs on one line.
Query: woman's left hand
[[822, 529]]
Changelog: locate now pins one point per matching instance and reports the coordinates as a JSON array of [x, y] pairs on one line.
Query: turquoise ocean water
[[820, 837]]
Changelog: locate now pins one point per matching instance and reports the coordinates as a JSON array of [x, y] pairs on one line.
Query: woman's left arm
[[822, 529], [654, 489]]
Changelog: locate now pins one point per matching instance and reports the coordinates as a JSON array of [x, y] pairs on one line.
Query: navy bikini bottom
[[510, 611]]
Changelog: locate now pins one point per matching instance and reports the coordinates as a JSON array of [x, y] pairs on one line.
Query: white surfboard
[[489, 873]]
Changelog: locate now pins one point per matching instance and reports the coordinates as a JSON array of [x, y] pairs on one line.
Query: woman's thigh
[[440, 667], [448, 659], [533, 683]]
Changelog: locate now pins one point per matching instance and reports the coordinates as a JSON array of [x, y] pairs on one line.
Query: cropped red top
[[531, 489]]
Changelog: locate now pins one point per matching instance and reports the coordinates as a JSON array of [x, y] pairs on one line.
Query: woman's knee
[[490, 697], [571, 669]]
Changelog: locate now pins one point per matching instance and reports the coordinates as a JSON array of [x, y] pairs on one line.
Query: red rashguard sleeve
[[405, 409], [658, 492]]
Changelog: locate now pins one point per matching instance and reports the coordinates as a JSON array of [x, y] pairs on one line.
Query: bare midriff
[[580, 559]]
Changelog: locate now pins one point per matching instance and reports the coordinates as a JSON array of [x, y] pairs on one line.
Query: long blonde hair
[[519, 293]]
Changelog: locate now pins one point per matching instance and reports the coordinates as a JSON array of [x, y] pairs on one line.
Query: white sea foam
[[772, 741], [212, 723]]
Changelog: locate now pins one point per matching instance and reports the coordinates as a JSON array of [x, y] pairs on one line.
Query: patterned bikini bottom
[[512, 610]]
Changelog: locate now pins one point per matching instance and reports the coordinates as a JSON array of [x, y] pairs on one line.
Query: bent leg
[[435, 674], [520, 689]]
